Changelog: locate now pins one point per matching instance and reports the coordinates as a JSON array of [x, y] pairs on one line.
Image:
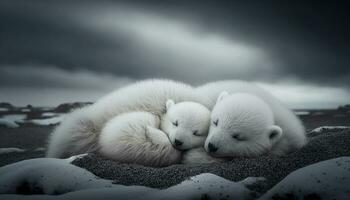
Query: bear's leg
[[157, 136]]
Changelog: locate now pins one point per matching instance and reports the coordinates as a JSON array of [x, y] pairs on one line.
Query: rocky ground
[[323, 145], [326, 145]]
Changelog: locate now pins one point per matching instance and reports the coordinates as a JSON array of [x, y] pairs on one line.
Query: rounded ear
[[274, 133], [222, 95], [169, 103]]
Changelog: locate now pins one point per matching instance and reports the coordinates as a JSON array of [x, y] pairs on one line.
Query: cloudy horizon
[[53, 52]]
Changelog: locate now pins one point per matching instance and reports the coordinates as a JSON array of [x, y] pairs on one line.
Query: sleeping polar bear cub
[[143, 138], [244, 125], [293, 131]]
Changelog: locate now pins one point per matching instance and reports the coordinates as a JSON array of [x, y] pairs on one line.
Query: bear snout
[[178, 142], [212, 148]]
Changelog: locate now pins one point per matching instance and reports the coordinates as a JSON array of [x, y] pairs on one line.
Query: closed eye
[[176, 123], [216, 122], [238, 137], [195, 133]]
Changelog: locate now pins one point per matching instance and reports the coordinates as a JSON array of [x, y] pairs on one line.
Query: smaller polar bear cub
[[147, 139], [244, 125]]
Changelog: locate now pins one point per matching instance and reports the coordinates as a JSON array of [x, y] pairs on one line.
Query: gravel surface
[[27, 137], [324, 146]]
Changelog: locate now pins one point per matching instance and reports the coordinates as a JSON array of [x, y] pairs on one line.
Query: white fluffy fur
[[192, 119], [79, 131], [136, 137], [255, 113]]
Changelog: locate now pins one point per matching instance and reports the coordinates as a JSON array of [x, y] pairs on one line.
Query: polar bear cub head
[[186, 124], [241, 125]]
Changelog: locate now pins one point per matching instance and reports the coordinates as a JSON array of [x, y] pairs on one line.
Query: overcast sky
[[58, 51]]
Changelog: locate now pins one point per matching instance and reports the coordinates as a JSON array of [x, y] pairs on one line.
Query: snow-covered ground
[[12, 120], [321, 128], [8, 123], [48, 114], [47, 121], [302, 112], [4, 109], [46, 176], [11, 150], [14, 117]]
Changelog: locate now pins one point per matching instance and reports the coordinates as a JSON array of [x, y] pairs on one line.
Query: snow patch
[[205, 186], [302, 112], [4, 109], [25, 110], [14, 117], [46, 108], [11, 150], [8, 123], [40, 149], [48, 114], [322, 128], [73, 158], [48, 121], [49, 175]]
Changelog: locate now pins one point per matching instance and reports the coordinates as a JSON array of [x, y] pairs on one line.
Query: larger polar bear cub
[[249, 124], [142, 138], [78, 133]]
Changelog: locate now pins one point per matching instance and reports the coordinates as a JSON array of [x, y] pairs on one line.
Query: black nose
[[178, 142], [212, 148]]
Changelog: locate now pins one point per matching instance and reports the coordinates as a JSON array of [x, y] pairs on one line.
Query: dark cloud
[[32, 35], [192, 41], [309, 40], [47, 77]]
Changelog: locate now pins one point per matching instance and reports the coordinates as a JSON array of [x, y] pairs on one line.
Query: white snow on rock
[[48, 114], [322, 128], [12, 120], [11, 150], [46, 108], [40, 149], [57, 176], [324, 180], [4, 109], [47, 121], [8, 123], [14, 117], [302, 112], [73, 158], [206, 186], [50, 175], [25, 110]]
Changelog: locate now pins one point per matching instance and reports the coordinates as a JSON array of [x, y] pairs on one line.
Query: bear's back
[[148, 96]]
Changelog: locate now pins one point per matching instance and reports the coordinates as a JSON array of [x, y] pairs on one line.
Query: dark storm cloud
[[49, 77], [42, 34], [307, 41]]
